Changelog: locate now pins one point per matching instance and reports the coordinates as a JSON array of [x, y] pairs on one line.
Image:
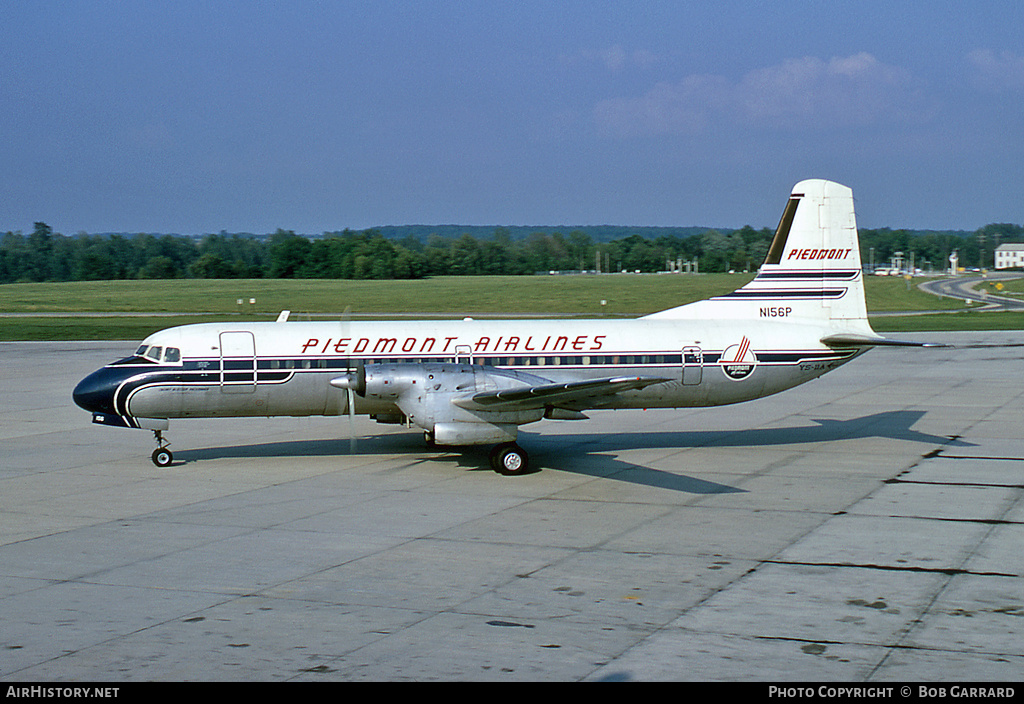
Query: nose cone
[[95, 393]]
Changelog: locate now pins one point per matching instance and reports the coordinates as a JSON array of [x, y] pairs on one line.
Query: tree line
[[44, 255]]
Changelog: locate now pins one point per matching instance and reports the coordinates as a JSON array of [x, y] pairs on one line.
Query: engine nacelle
[[388, 382], [461, 433], [423, 393]]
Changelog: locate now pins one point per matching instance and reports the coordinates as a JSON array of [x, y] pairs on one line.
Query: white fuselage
[[263, 369]]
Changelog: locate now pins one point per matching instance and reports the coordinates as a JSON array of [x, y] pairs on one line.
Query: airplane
[[474, 382]]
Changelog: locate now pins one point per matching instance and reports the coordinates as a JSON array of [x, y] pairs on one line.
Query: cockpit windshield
[[156, 353]]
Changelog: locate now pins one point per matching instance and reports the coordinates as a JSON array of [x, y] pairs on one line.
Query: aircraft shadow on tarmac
[[887, 425], [895, 425], [594, 454]]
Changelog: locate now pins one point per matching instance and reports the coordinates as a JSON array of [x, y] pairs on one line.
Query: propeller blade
[[351, 421]]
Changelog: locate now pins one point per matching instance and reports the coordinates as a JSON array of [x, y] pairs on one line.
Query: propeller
[[351, 420], [353, 382]]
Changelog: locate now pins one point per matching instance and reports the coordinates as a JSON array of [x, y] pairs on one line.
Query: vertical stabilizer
[[813, 268], [815, 255]]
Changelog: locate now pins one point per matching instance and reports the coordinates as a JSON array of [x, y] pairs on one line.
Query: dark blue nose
[[95, 392]]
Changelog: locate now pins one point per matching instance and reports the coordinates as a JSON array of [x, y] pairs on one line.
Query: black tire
[[492, 457], [510, 460], [162, 457]]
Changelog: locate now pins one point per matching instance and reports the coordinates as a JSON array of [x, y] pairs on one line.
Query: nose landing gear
[[162, 457]]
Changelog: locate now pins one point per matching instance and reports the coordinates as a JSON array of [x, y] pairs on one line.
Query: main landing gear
[[507, 458], [510, 459], [162, 457]]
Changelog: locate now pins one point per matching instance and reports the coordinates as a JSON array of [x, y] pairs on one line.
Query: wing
[[574, 393]]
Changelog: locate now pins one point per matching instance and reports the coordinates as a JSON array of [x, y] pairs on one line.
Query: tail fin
[[813, 267]]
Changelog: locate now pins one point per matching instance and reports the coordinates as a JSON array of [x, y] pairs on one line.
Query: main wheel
[[162, 457], [510, 459]]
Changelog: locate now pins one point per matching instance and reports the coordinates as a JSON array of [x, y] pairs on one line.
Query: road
[[963, 288]]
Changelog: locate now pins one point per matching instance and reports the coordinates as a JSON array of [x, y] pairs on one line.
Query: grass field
[[553, 295], [1013, 287], [64, 310]]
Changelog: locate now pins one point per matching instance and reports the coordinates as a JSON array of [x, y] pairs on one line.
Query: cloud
[[805, 93], [1002, 72], [615, 58], [685, 107]]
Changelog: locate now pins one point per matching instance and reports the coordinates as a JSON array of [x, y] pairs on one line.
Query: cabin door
[[693, 366]]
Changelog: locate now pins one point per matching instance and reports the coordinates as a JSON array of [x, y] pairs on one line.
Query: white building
[[1010, 256]]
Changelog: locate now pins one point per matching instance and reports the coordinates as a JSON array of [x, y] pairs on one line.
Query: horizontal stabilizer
[[855, 340], [554, 394]]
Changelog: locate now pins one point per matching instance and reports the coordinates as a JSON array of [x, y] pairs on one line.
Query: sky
[[199, 117]]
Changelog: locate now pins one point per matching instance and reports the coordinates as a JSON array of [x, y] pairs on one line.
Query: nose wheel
[[162, 457]]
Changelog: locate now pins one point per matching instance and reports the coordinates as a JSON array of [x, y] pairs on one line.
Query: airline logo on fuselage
[[818, 254], [738, 361]]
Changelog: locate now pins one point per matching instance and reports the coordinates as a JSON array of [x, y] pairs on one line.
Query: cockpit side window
[[154, 353], [172, 355]]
